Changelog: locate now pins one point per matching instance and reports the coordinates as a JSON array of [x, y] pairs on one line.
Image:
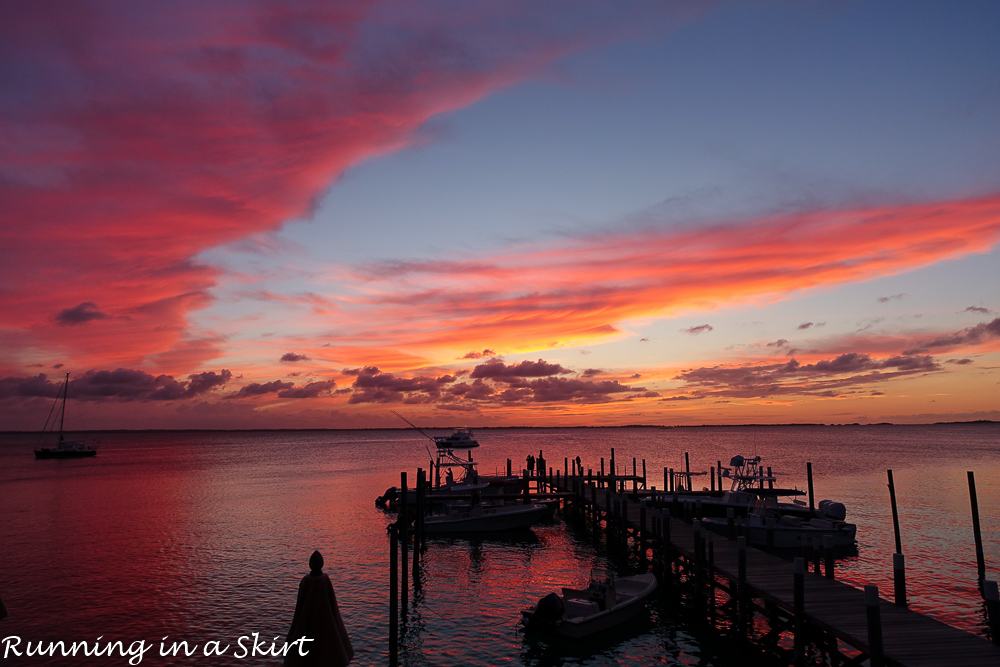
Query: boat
[[447, 459], [749, 481], [460, 438], [65, 449], [790, 531], [481, 518], [605, 603]]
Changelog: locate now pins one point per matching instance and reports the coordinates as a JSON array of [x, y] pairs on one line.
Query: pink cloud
[[135, 136]]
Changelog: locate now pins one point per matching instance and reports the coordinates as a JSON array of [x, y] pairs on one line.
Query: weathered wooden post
[[600, 480], [976, 532], [711, 474], [393, 593], [742, 592], [527, 487], [644, 473], [687, 469], [895, 513], [417, 522], [828, 553], [991, 597], [899, 579], [809, 481], [874, 617], [718, 471], [799, 611], [666, 479], [404, 535]]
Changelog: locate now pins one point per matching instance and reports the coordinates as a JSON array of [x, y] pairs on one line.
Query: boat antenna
[[431, 438]]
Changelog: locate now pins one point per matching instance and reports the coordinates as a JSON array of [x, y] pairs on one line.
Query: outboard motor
[[548, 610], [832, 510], [390, 495]]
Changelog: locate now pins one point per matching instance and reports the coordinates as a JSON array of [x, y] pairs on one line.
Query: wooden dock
[[834, 608]]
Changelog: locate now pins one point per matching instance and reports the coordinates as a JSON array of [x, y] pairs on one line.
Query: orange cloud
[[587, 290]]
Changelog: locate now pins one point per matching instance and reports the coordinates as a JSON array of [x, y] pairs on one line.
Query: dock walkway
[[909, 638]]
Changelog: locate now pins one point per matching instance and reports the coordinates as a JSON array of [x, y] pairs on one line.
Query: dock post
[[828, 555], [711, 579], [508, 467], [393, 594], [991, 597], [977, 533], [799, 611], [731, 523], [527, 487], [635, 480], [641, 536], [899, 579], [417, 521], [770, 478], [874, 617], [718, 471], [742, 593], [644, 474], [404, 536], [666, 479], [687, 469], [809, 480], [769, 532], [600, 480], [711, 474], [895, 513]]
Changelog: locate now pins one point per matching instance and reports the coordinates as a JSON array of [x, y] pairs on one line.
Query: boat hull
[[790, 537], [487, 520], [64, 453], [633, 590]]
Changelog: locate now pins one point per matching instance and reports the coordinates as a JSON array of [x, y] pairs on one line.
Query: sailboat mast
[[62, 414]]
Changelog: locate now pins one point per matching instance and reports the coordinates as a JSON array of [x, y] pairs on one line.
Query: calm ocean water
[[203, 537]]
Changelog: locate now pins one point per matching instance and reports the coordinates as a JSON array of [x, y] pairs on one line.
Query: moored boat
[[65, 449], [481, 518], [607, 602]]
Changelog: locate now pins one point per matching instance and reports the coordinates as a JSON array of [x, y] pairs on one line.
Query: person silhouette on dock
[[531, 465], [317, 618]]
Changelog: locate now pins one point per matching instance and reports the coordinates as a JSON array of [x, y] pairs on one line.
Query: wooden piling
[[977, 533], [417, 522], [895, 513], [874, 617], [404, 536], [828, 555], [809, 482], [393, 594], [687, 469], [991, 599], [799, 608], [899, 579], [743, 599]]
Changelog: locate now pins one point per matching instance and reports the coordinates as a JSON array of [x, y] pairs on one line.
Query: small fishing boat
[[460, 438], [481, 518], [607, 602], [65, 449]]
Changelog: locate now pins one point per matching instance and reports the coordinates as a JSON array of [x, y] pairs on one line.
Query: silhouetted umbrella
[[318, 618]]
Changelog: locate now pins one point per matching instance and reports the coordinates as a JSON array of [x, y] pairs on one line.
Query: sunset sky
[[245, 214]]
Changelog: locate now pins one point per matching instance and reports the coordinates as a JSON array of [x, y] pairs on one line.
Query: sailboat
[[66, 449]]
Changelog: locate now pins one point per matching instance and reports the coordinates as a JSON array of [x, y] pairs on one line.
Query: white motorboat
[[607, 602], [481, 518], [790, 531]]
